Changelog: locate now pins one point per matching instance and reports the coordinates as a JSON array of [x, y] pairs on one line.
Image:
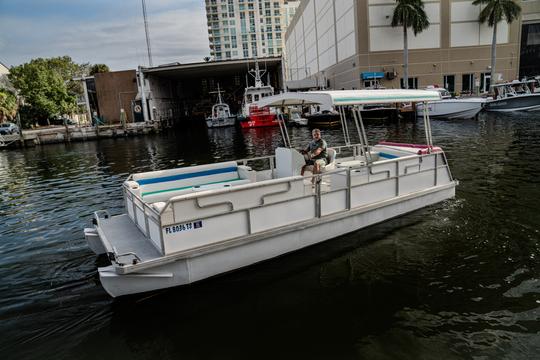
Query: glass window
[[413, 83], [449, 83], [467, 83]]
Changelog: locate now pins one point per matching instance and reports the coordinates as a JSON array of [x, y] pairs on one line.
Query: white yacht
[[187, 224], [451, 108], [514, 96], [221, 114]]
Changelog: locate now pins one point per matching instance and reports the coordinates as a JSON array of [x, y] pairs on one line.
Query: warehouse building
[[350, 44]]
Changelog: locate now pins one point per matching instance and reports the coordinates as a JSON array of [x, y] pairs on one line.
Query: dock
[[66, 134]]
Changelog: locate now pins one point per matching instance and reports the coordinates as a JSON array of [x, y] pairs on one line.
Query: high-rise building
[[240, 29]]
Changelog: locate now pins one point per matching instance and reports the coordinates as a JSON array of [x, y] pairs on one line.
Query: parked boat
[[296, 119], [252, 115], [451, 108], [187, 224], [380, 111], [221, 114], [324, 119], [514, 96]]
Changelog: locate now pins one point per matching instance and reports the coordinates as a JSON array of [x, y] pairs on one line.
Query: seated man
[[315, 153]]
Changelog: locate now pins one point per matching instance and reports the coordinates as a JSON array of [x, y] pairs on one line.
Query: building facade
[[350, 44], [239, 29], [4, 70]]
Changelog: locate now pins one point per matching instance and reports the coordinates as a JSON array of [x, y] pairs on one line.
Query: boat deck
[[122, 233]]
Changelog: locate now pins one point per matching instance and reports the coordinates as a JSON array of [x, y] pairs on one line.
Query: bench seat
[[159, 186]]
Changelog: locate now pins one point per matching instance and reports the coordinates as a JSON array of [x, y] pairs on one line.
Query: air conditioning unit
[[391, 75]]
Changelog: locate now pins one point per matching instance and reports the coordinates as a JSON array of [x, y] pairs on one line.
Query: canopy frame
[[341, 99]]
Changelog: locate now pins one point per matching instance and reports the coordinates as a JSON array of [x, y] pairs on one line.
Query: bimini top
[[349, 97]]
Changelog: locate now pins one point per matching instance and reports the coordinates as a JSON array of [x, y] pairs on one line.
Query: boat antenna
[[220, 101], [147, 34], [257, 74]]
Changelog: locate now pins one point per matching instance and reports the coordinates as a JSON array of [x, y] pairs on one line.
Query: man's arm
[[320, 149]]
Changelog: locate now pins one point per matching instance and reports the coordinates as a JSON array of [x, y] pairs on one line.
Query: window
[[467, 83], [449, 83], [413, 83], [485, 81]]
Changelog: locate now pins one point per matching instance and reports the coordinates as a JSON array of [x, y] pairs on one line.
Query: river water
[[458, 280]]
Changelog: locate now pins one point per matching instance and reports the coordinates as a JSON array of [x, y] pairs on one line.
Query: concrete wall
[[116, 90]]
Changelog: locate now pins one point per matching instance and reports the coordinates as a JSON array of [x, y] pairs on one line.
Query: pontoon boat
[[187, 224]]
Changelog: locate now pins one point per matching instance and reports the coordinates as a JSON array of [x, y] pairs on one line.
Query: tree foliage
[[410, 14], [8, 105], [43, 83], [99, 68], [48, 87], [497, 10]]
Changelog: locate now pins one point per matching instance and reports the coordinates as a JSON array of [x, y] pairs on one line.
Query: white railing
[[339, 190]]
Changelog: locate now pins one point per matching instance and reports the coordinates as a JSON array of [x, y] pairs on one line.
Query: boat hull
[[324, 120], [260, 121], [378, 113], [221, 122], [452, 108], [260, 247], [529, 102]]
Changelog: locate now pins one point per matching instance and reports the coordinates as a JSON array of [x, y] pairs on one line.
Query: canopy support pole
[[344, 125], [427, 127], [283, 129], [361, 133]]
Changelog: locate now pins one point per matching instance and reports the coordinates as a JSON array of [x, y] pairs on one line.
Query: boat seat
[[159, 186], [330, 160]]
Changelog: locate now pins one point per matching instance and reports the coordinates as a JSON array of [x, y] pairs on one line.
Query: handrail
[[318, 192]]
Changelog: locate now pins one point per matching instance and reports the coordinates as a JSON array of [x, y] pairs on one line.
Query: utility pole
[[147, 34]]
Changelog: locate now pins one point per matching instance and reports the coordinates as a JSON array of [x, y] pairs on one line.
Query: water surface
[[458, 280]]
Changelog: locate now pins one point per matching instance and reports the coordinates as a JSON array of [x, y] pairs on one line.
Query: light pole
[[147, 34]]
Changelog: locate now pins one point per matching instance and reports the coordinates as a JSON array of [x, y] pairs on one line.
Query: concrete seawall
[[63, 134]]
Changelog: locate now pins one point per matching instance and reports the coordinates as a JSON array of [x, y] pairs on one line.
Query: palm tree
[[409, 14], [494, 12]]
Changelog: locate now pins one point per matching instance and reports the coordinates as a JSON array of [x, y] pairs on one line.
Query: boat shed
[[185, 92]]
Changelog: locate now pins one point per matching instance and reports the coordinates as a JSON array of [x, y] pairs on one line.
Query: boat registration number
[[184, 227]]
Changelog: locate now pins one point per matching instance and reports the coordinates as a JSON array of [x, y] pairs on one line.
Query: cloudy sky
[[103, 31]]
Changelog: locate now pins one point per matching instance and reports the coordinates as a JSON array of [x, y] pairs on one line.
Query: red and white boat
[[252, 115]]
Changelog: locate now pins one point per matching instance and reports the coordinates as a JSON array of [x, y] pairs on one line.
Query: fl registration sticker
[[194, 225]]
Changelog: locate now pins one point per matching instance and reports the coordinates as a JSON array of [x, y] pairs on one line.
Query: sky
[[103, 31]]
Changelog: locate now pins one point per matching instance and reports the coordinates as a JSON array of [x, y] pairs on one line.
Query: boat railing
[[335, 191], [260, 206]]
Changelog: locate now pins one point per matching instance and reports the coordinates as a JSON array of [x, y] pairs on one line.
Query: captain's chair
[[289, 162], [330, 160]]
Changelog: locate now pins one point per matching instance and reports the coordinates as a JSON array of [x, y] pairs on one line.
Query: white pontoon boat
[[188, 224]]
